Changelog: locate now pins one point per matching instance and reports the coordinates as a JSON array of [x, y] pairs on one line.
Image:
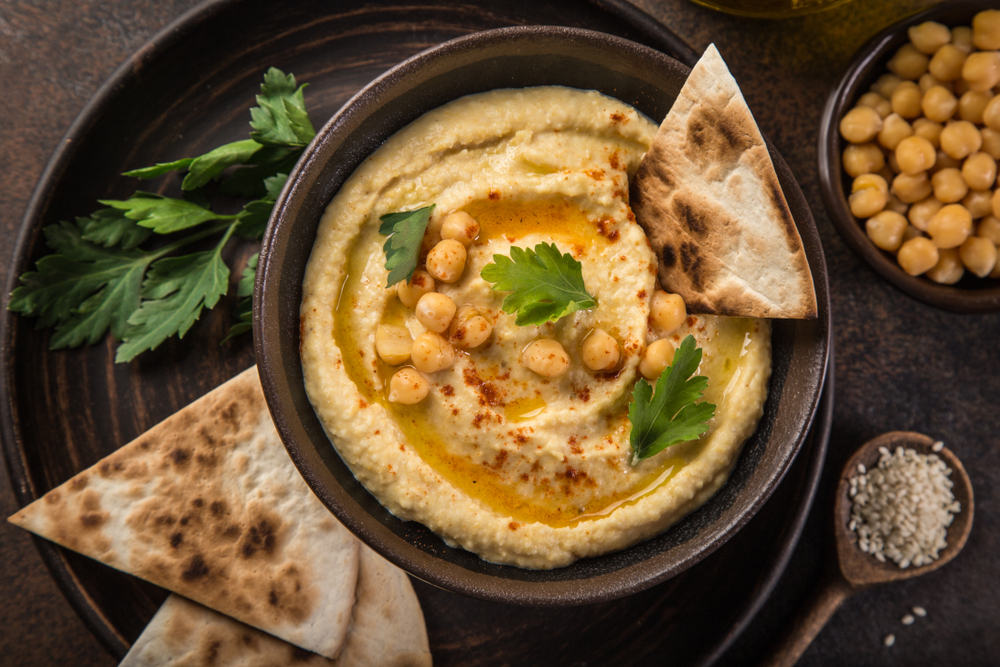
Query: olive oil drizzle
[[561, 220]]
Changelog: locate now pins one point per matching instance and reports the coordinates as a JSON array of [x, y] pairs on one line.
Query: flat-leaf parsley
[[544, 284], [670, 415]]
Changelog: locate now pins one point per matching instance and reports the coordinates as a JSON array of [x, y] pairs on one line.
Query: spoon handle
[[809, 620]]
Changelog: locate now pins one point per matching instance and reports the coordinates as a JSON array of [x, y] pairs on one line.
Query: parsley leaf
[[402, 249], [174, 294], [671, 415], [164, 215], [280, 119], [109, 227], [209, 166], [63, 281], [544, 285]]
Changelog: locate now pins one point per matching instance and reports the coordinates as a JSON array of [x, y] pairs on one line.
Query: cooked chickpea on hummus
[[512, 441]]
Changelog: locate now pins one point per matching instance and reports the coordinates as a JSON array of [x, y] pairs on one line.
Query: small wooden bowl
[[970, 294]]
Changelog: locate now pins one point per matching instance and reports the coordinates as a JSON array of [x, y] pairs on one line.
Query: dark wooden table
[[900, 365]]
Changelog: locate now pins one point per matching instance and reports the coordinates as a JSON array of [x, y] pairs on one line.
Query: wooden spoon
[[854, 570]]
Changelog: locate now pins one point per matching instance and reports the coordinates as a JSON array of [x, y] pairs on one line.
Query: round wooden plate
[[188, 91]]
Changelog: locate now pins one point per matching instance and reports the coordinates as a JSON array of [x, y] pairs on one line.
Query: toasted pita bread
[[710, 201], [209, 505], [387, 630]]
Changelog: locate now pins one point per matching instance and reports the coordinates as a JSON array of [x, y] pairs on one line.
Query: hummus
[[518, 468]]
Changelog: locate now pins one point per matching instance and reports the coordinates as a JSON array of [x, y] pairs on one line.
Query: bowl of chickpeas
[[909, 147]]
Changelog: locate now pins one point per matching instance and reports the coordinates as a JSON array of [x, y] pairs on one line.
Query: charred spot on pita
[[196, 568], [689, 216]]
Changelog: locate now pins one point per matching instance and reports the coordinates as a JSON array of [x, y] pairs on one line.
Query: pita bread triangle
[[209, 505], [387, 630], [709, 199]]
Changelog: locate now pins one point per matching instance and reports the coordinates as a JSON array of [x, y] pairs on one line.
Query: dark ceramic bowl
[[970, 294], [512, 57]]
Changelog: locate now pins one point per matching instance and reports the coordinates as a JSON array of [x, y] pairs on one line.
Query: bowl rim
[[276, 377], [860, 72]]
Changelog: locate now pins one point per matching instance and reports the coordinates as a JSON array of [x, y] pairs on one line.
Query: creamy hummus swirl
[[518, 468]]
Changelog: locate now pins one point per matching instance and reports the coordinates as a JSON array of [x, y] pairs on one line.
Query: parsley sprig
[[99, 279], [672, 414], [405, 230], [544, 284]]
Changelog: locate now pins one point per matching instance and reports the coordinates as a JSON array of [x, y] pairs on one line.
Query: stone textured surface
[[900, 365]]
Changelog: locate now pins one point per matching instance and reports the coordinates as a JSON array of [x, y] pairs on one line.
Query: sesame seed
[[920, 611], [889, 640], [937, 446], [907, 620]]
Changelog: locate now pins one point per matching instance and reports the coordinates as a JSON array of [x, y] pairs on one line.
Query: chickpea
[[986, 30], [991, 142], [914, 155], [949, 186], [911, 189], [991, 113], [917, 255], [928, 81], [894, 129], [906, 99], [600, 351], [411, 290], [656, 358], [945, 161], [960, 138], [929, 36], [948, 270], [947, 62], [982, 70], [862, 159], [896, 206], [545, 357], [912, 233], [886, 229], [860, 125], [460, 226], [877, 102], [938, 104], [431, 353], [979, 203], [979, 171], [470, 329], [921, 212], [667, 311], [979, 255], [408, 386], [929, 130], [446, 260], [435, 311], [392, 344], [950, 226], [961, 38], [908, 63], [972, 104], [886, 84], [892, 165], [989, 228], [869, 195]]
